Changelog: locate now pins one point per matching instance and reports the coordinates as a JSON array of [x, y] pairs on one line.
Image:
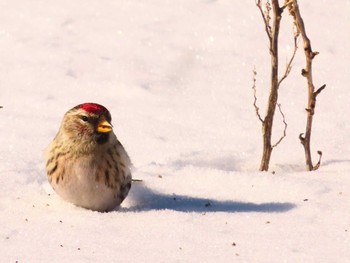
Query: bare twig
[[266, 18], [267, 14], [255, 98], [285, 127], [289, 64], [319, 161], [137, 180], [312, 94], [318, 91], [273, 96], [287, 4]]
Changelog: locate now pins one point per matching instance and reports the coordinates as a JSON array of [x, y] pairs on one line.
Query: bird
[[86, 164]]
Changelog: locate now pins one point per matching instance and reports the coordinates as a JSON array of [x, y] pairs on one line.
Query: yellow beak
[[104, 126]]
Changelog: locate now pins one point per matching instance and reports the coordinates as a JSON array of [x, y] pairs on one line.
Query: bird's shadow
[[144, 199]]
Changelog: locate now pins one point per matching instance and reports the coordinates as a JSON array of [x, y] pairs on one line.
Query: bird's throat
[[101, 138]]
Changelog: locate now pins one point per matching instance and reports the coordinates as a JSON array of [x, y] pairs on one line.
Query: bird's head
[[88, 122]]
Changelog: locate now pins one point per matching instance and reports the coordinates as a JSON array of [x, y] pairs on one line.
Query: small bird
[[86, 164]]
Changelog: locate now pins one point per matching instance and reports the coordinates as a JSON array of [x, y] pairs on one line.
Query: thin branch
[[289, 64], [266, 18], [267, 14], [255, 98], [273, 95], [137, 180], [286, 4], [312, 94], [319, 90], [285, 126], [319, 161]]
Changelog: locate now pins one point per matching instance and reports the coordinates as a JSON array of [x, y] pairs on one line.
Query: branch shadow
[[144, 199], [335, 161]]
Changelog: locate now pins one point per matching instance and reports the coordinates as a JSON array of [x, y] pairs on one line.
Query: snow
[[177, 78]]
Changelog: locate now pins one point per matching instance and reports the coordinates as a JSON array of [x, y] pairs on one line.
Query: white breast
[[81, 187]]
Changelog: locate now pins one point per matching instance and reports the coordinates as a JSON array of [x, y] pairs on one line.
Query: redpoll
[[86, 164]]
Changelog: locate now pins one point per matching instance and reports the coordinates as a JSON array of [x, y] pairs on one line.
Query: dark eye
[[84, 118]]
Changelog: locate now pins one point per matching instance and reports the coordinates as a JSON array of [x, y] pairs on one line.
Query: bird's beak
[[103, 125]]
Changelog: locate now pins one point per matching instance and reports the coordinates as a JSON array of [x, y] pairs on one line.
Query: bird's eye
[[84, 118]]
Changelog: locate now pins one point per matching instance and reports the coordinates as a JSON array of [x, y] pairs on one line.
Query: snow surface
[[177, 78]]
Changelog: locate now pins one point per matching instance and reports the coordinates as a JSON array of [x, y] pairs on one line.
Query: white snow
[[177, 78]]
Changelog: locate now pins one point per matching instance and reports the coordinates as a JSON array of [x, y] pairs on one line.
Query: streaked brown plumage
[[85, 163]]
